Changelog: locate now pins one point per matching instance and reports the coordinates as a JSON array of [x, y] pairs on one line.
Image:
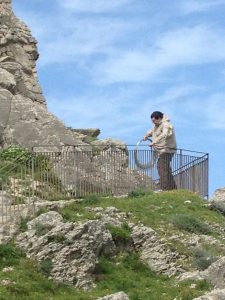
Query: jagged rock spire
[[24, 118], [5, 7], [18, 55]]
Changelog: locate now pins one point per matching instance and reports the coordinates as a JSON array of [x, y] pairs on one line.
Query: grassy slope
[[178, 212]]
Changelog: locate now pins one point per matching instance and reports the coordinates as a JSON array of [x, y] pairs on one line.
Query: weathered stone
[[217, 201], [117, 296], [218, 196], [92, 132], [7, 80], [154, 252], [215, 274], [216, 294], [73, 248]]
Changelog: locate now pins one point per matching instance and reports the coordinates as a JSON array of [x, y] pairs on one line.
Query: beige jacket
[[163, 137]]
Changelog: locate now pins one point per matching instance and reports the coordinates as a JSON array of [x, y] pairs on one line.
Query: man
[[164, 143]]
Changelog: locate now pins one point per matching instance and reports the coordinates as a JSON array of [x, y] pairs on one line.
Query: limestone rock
[[92, 132], [117, 296], [218, 196], [73, 248], [7, 80], [215, 274], [154, 252], [25, 120], [216, 294], [217, 201]]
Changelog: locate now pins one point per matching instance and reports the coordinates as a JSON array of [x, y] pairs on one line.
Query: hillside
[[167, 245]]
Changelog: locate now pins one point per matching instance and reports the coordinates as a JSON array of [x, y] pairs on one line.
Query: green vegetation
[[124, 272], [202, 258], [178, 213], [120, 235], [155, 210], [191, 224], [31, 174]]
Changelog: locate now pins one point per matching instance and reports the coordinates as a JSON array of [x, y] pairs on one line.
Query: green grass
[[152, 209], [190, 224], [125, 272], [165, 212], [168, 213]]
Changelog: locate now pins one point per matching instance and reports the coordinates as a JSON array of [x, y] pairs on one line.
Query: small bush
[[13, 154], [23, 223], [57, 238], [46, 266], [190, 224], [41, 229], [140, 192], [120, 234], [10, 255], [202, 258], [90, 199]]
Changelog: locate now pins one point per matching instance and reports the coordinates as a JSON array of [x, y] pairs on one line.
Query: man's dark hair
[[157, 115]]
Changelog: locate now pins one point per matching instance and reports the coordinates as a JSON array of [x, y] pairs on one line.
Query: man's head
[[156, 117]]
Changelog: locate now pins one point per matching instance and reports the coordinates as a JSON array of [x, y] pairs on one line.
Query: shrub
[[190, 224], [121, 236], [10, 255], [202, 258], [12, 154], [46, 266], [41, 229], [140, 192]]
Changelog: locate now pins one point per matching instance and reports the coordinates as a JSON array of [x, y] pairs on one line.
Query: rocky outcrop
[[72, 248], [215, 274], [24, 118], [217, 201], [154, 251]]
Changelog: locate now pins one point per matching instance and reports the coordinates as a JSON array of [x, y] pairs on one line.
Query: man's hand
[[145, 137]]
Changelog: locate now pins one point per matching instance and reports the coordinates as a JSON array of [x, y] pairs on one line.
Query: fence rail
[[28, 177]]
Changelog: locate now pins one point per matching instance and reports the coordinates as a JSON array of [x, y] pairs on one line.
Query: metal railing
[[72, 172]]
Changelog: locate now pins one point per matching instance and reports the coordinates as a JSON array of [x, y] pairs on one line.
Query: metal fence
[[72, 172]]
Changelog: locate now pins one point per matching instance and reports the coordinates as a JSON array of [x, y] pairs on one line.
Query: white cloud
[[186, 46], [74, 40], [192, 6], [214, 109], [93, 6]]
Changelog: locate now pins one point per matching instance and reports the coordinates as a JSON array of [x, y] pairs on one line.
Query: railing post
[[180, 166], [75, 172], [32, 175]]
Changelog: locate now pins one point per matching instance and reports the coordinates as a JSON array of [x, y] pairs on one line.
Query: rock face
[[26, 122], [24, 118], [75, 248]]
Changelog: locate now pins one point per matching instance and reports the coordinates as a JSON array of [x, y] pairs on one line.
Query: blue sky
[[109, 63]]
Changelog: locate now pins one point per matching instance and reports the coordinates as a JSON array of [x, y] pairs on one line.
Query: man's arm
[[147, 135]]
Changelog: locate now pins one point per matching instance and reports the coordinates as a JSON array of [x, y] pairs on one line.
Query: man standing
[[164, 143]]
